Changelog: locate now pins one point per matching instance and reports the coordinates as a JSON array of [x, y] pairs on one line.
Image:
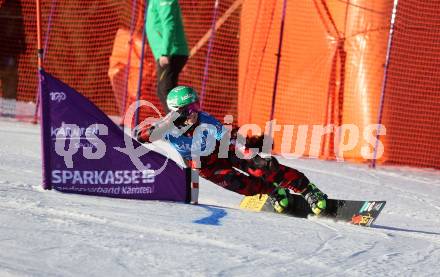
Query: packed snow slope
[[47, 233]]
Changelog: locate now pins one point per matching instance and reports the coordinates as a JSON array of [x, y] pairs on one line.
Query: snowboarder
[[257, 175]]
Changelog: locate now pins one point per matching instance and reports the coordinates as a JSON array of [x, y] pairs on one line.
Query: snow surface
[[47, 233]]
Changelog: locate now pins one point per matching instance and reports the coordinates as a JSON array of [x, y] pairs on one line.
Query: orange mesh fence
[[220, 97], [18, 79], [412, 95], [125, 65], [95, 47], [331, 71], [78, 38], [331, 66]]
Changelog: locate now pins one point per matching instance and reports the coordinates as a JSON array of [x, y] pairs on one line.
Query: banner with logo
[[85, 152]]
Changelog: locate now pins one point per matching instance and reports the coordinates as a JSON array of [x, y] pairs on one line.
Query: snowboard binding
[[315, 198]]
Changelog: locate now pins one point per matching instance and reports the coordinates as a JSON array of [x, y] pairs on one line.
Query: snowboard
[[362, 213]]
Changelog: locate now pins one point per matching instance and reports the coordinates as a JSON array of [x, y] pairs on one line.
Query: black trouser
[[259, 177], [168, 76]]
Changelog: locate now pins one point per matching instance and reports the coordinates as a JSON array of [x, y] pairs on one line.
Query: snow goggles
[[189, 109], [186, 111]]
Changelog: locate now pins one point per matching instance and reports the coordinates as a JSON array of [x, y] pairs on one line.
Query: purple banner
[[85, 152]]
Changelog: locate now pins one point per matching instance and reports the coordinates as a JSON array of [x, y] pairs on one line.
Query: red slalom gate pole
[[194, 182]]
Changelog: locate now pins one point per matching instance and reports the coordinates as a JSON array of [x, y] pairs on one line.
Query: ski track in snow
[[47, 233]]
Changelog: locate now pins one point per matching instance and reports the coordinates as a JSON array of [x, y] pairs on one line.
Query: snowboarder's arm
[[158, 129]]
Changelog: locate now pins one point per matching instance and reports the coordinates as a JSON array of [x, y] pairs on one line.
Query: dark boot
[[315, 198]]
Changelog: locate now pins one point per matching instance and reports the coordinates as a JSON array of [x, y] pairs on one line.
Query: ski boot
[[279, 198], [315, 198]]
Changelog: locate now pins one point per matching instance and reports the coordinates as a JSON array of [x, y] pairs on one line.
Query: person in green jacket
[[167, 40]]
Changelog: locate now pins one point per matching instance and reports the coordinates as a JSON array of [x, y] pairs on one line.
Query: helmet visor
[[185, 112], [189, 109]]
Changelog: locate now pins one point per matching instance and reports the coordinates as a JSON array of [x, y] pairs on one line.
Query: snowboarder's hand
[[163, 61]]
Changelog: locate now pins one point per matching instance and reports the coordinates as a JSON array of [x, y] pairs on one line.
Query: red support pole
[[39, 42], [40, 52], [194, 182], [275, 83], [277, 68], [385, 79]]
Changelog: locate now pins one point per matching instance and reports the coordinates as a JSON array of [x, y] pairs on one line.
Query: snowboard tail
[[362, 213]]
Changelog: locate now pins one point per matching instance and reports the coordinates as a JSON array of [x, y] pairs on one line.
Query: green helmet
[[181, 96]]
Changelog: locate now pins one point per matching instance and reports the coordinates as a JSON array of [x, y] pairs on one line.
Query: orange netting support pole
[[41, 50], [40, 53], [208, 54], [277, 69], [130, 51], [39, 43], [384, 83], [141, 67]]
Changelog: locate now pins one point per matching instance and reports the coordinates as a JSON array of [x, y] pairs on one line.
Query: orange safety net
[[18, 62], [124, 70], [412, 95], [331, 67], [78, 48], [220, 96], [331, 71], [89, 48]]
